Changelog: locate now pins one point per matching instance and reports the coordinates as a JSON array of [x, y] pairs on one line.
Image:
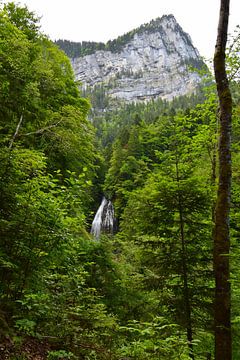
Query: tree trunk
[[222, 306]]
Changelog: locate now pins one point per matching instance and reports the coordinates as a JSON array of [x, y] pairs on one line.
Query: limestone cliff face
[[153, 63]]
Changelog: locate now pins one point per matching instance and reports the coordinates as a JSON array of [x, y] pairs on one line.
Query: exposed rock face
[[153, 63]]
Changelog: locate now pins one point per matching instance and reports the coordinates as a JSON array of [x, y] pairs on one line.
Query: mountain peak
[[148, 62], [79, 49], [154, 23]]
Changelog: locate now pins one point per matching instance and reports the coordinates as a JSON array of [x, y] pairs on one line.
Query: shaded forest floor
[[29, 349]]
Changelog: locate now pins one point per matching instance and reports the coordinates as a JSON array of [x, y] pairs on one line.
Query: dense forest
[[146, 291]]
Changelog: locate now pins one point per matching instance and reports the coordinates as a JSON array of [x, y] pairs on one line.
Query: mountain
[[152, 61]]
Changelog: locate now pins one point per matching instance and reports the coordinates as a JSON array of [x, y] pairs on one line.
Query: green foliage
[[23, 19], [175, 156], [60, 355], [48, 164], [26, 326], [38, 85], [36, 224], [155, 340]]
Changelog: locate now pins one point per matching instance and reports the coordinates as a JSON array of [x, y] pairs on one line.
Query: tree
[[169, 218], [43, 128], [222, 314]]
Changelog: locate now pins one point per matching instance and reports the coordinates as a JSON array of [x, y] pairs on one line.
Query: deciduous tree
[[222, 315]]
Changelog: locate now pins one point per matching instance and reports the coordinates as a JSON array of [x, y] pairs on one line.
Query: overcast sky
[[102, 20]]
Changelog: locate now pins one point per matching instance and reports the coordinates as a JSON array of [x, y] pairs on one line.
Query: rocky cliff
[[149, 62]]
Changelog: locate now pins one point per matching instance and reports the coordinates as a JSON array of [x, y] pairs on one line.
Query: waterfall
[[104, 220]]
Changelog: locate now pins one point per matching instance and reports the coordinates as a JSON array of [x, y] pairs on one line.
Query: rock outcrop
[[153, 62]]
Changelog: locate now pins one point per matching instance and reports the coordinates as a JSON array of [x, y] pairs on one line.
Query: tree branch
[[40, 131], [16, 132]]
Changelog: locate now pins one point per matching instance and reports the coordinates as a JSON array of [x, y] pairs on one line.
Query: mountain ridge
[[75, 49], [146, 63]]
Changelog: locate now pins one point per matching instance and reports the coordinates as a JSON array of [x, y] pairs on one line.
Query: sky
[[103, 20]]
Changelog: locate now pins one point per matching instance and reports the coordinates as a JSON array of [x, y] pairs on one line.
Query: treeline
[[80, 49], [110, 116]]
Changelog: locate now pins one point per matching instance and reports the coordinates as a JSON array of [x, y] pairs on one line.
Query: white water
[[104, 220]]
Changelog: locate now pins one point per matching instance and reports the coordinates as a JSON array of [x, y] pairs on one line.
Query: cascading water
[[104, 220]]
